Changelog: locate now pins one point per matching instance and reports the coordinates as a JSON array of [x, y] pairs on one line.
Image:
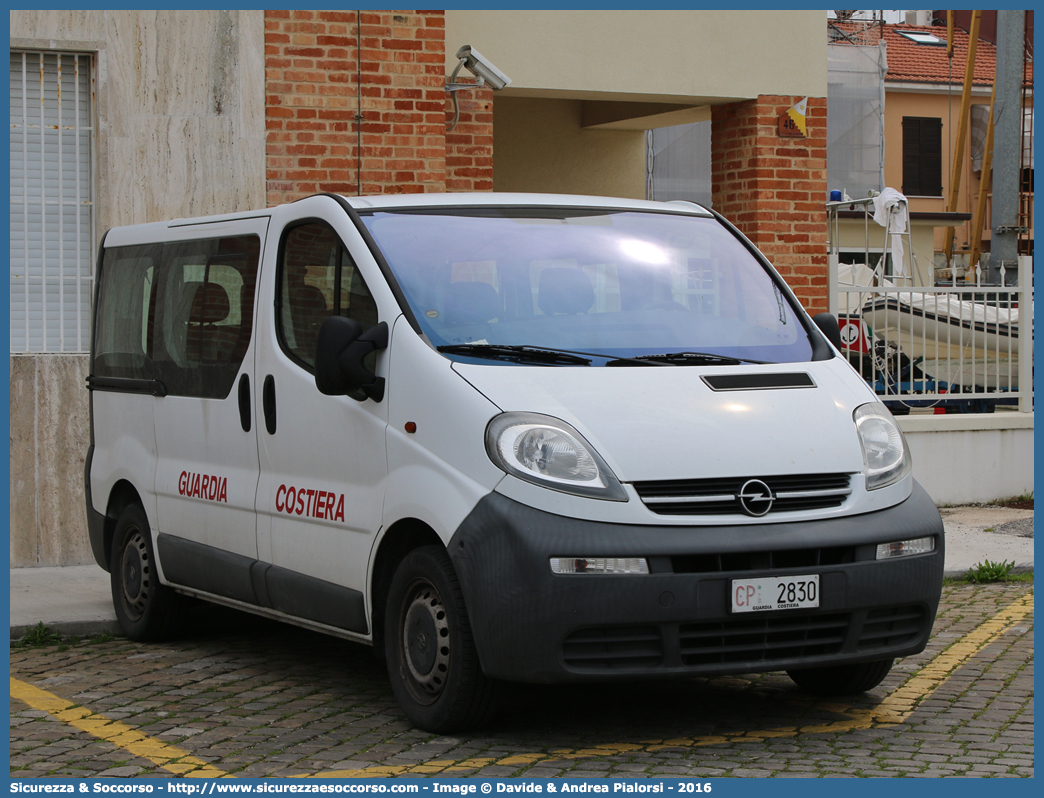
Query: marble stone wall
[[180, 131], [49, 439], [180, 107]]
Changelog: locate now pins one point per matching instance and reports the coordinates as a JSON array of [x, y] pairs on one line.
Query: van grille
[[761, 560], [721, 496], [891, 627], [764, 643], [762, 639], [611, 647]]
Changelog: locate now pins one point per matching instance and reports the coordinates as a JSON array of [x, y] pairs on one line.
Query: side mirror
[[340, 353], [827, 324]]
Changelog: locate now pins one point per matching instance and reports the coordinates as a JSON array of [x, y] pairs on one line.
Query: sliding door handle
[[245, 411], [268, 400]]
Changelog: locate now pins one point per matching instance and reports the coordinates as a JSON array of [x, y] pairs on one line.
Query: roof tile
[[910, 62]]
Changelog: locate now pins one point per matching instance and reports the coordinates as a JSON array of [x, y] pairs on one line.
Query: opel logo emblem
[[755, 497]]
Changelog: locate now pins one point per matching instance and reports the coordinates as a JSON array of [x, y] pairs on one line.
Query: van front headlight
[[886, 456], [548, 452]]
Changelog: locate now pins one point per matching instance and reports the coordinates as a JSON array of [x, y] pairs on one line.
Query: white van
[[500, 437]]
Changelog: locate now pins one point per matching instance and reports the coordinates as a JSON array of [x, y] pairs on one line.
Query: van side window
[[180, 312], [318, 279]]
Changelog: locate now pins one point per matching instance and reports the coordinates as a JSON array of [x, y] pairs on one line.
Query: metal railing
[[949, 346], [966, 347]]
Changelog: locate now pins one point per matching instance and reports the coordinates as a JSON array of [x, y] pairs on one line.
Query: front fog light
[[904, 548], [599, 565]]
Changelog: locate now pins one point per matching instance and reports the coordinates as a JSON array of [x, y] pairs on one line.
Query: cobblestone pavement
[[269, 700]]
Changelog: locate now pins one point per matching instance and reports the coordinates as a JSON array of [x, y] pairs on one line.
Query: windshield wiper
[[545, 354], [689, 359], [517, 354]]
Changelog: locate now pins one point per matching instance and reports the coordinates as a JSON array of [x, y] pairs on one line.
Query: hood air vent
[[757, 382]]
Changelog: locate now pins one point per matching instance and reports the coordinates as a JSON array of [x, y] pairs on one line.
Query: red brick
[[405, 146], [772, 189]]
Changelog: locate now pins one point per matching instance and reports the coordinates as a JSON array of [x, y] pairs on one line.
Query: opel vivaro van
[[500, 437]]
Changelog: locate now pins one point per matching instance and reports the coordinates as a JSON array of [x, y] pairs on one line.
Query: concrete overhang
[[616, 111], [684, 57], [640, 116]]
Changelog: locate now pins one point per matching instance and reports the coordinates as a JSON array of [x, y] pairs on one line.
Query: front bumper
[[535, 626]]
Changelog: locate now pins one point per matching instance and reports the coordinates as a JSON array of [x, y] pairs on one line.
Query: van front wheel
[[145, 609], [842, 679], [432, 661]]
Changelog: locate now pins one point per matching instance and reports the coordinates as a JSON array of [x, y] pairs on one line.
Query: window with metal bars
[[51, 197]]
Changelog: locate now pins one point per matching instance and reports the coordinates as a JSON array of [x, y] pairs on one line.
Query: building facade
[[920, 123]]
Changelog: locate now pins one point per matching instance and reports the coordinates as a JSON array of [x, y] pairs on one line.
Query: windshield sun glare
[[619, 284]]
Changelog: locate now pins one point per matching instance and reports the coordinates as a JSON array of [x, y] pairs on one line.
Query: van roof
[[414, 201], [493, 198]]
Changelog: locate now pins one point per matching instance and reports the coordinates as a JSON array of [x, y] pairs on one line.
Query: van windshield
[[604, 284]]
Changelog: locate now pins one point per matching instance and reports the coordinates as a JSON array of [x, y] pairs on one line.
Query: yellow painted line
[[894, 709], [121, 735], [898, 706]]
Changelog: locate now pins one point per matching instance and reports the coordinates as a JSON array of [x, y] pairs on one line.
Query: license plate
[[775, 593]]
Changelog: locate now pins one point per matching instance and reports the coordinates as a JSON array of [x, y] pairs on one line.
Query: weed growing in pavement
[[987, 571], [1023, 502], [957, 581], [40, 635]]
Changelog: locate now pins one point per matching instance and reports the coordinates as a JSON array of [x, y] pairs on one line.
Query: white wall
[[972, 458]]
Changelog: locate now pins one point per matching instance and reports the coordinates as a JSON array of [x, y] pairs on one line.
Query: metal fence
[[966, 347]]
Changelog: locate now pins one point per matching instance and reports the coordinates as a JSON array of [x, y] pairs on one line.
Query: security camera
[[487, 74], [482, 68]]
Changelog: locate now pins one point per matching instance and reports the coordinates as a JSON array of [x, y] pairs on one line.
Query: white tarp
[[855, 117], [679, 163]]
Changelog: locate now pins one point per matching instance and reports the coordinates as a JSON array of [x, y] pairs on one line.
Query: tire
[[441, 688], [145, 609], [842, 679]]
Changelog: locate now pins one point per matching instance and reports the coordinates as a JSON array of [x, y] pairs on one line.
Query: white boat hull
[[989, 375], [930, 329]]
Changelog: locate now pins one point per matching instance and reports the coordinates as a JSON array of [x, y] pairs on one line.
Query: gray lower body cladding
[[536, 626]]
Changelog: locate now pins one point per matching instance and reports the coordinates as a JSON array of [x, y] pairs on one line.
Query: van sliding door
[[202, 342]]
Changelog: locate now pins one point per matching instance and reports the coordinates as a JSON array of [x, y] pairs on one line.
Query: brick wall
[[774, 189], [469, 146], [314, 72]]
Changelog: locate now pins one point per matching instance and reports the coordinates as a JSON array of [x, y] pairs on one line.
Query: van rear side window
[[181, 313]]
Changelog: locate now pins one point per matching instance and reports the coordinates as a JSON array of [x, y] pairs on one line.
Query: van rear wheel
[[145, 609], [432, 661], [842, 679]]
